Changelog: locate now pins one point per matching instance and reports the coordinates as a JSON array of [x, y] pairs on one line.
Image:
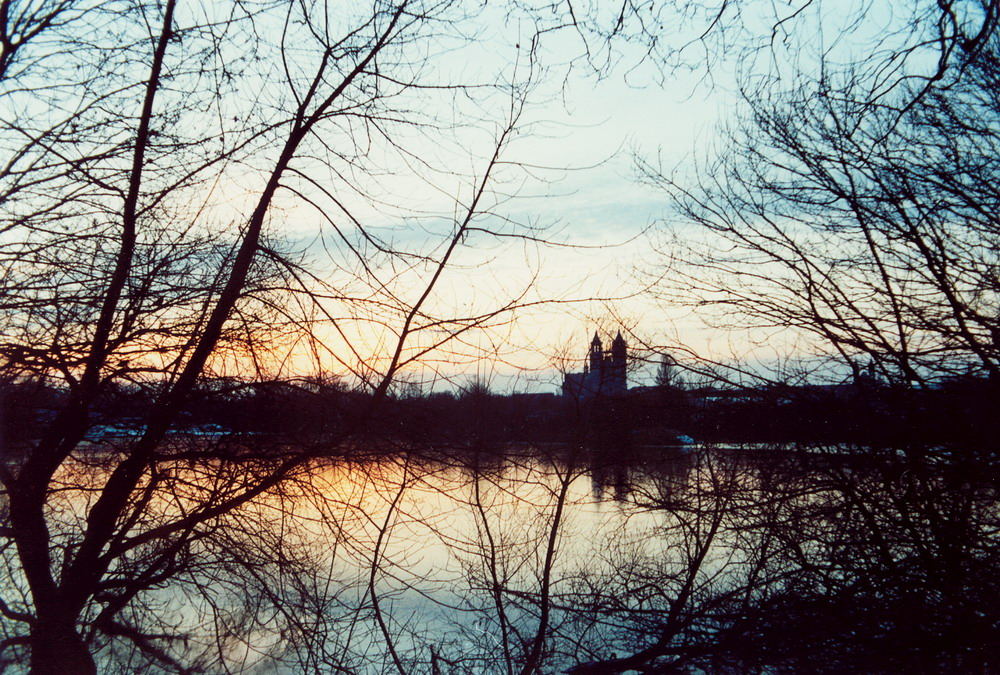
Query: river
[[689, 559]]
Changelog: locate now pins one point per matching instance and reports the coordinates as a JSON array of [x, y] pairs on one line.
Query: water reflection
[[544, 560]]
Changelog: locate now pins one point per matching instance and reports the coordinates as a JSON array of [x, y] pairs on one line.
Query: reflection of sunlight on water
[[424, 541], [447, 550]]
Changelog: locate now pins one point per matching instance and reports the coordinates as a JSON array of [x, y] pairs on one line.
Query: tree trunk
[[57, 649]]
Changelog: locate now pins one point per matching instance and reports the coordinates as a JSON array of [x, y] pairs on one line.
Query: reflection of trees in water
[[832, 559], [819, 562], [828, 559], [615, 473]]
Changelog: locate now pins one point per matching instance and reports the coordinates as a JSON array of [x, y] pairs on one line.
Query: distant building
[[603, 374]]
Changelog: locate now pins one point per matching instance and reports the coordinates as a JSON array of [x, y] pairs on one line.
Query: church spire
[[619, 350], [596, 353]]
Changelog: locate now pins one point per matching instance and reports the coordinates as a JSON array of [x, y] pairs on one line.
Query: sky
[[578, 184], [570, 179], [590, 201], [591, 132], [568, 176]]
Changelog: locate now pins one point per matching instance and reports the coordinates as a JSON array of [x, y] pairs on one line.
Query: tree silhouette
[[152, 154], [856, 203]]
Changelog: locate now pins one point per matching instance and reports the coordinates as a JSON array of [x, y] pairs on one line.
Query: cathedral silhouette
[[603, 374]]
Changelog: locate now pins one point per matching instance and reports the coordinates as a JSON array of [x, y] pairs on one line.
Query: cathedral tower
[[596, 360]]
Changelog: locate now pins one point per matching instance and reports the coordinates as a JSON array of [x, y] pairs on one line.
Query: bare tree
[[856, 203], [149, 151]]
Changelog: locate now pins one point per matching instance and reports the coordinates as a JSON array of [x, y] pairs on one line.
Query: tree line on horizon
[[956, 413]]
